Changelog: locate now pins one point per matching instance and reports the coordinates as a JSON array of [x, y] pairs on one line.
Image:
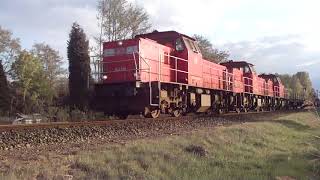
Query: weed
[[197, 150]]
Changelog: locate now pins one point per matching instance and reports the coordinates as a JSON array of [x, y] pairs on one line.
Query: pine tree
[[4, 91], [79, 68]]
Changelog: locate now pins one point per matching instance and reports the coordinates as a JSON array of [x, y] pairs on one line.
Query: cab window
[[246, 69], [179, 45], [278, 79], [197, 47], [192, 45], [253, 69]]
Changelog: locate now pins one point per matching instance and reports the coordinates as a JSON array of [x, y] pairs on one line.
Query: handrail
[[228, 80], [150, 84]]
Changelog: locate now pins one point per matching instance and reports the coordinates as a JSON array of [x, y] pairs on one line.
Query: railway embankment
[[260, 146]]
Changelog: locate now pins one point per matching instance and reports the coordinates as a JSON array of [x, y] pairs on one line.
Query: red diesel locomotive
[[165, 73]]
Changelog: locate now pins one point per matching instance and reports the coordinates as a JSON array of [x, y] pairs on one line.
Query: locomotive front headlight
[[104, 77], [120, 43], [138, 84]]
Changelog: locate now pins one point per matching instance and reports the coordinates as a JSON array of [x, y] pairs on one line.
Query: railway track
[[63, 133], [135, 119]]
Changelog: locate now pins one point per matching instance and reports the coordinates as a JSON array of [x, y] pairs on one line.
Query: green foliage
[[30, 82], [208, 52], [51, 60], [79, 68], [62, 114], [4, 91], [34, 74], [77, 115]]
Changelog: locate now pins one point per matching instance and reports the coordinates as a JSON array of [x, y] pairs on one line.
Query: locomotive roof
[[167, 34], [236, 63], [268, 75]]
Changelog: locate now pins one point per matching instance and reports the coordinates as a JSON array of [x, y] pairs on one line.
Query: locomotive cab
[[277, 86], [247, 73], [185, 53]]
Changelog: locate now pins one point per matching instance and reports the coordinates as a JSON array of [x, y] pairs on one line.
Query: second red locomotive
[[165, 73]]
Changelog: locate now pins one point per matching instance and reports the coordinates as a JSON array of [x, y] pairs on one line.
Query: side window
[[197, 47], [192, 45], [166, 58], [179, 45]]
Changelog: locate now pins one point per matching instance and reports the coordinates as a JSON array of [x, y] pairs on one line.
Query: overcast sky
[[277, 36]]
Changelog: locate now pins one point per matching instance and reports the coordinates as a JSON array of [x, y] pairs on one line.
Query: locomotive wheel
[[176, 113], [151, 113], [155, 113], [220, 111]]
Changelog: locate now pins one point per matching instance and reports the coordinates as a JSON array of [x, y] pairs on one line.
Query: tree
[[285, 79], [138, 20], [297, 88], [4, 91], [30, 81], [208, 52], [79, 67], [9, 48], [121, 20], [298, 84], [306, 84], [51, 60]]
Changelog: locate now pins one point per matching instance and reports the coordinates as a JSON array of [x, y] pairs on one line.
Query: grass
[[258, 150], [270, 149]]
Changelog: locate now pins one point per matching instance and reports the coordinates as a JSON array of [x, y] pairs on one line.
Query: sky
[[276, 36]]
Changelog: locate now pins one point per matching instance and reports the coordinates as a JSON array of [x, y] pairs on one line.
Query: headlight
[[104, 77], [138, 84]]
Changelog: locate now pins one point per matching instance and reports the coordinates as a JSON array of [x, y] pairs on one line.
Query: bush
[[63, 114], [96, 115], [77, 115]]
